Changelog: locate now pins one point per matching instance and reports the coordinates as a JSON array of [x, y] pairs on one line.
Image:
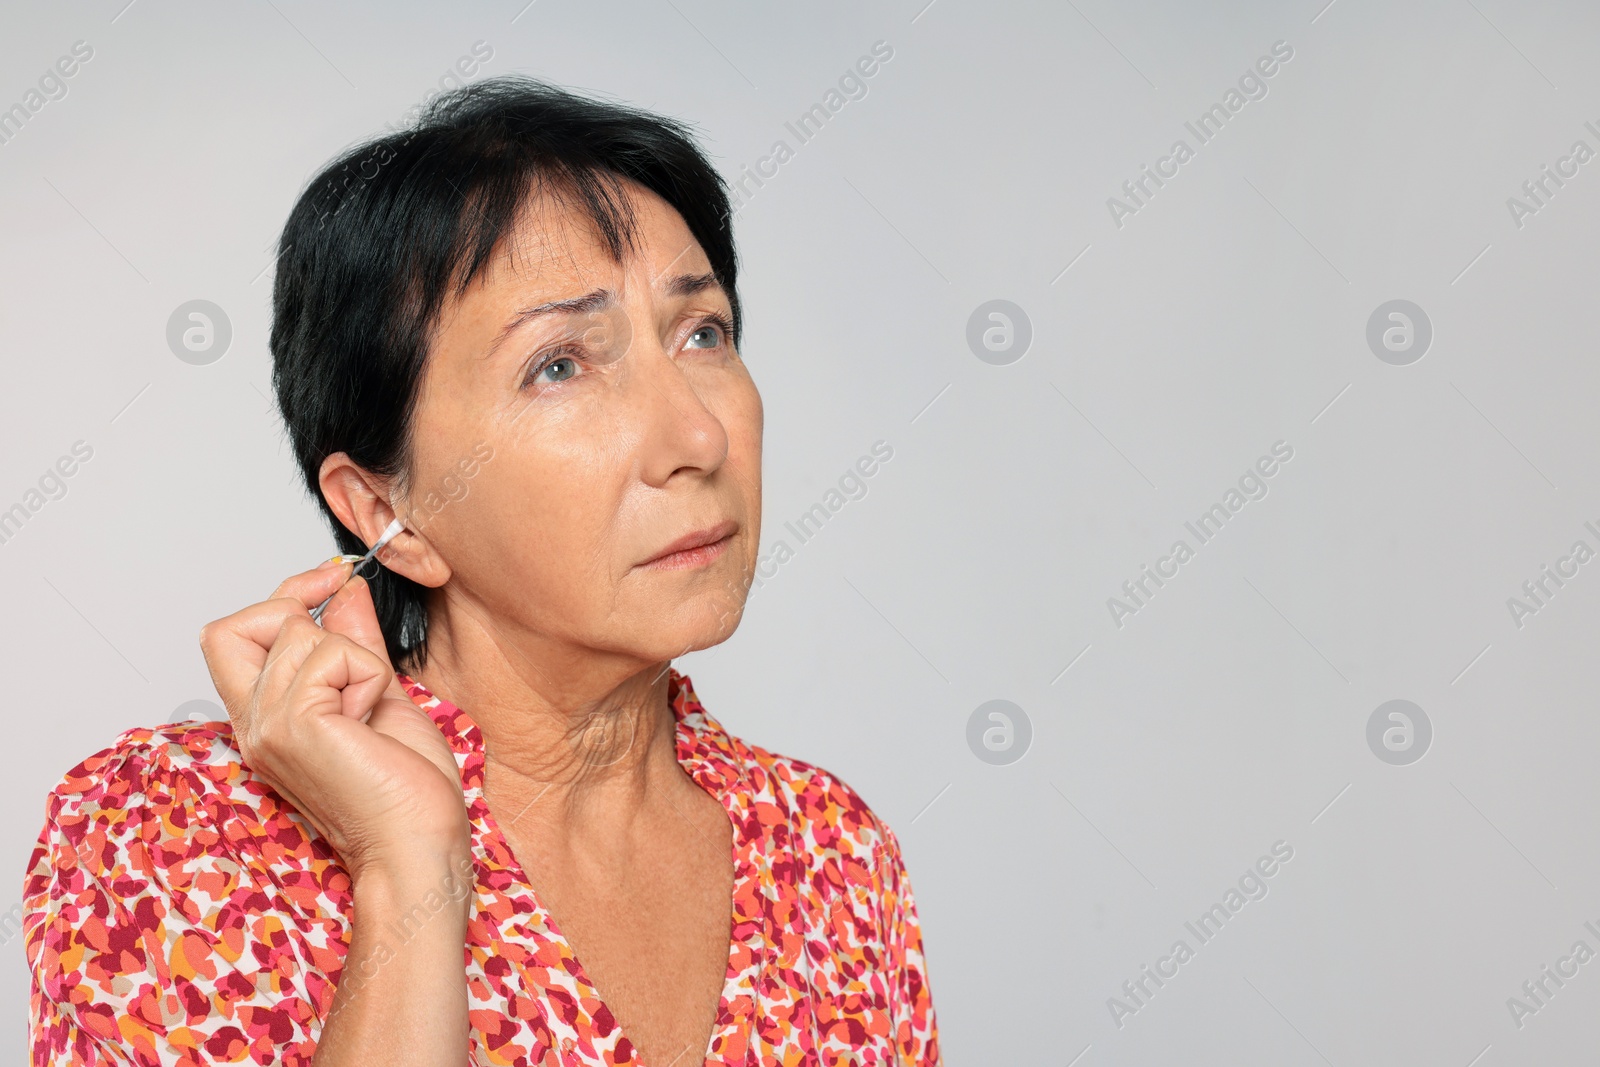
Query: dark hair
[[386, 232]]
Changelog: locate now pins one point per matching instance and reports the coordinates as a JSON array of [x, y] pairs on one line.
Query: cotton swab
[[389, 533]]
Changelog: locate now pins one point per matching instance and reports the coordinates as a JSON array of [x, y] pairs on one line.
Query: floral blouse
[[179, 912]]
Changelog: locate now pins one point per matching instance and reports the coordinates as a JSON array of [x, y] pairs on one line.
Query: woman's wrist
[[402, 996], [432, 878]]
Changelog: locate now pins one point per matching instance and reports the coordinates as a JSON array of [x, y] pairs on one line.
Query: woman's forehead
[[556, 254], [556, 240]]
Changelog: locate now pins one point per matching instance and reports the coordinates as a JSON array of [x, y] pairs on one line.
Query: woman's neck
[[575, 744]]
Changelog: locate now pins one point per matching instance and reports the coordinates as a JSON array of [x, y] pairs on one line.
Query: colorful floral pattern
[[178, 912]]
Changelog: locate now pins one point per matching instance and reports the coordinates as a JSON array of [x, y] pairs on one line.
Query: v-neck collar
[[577, 1021]]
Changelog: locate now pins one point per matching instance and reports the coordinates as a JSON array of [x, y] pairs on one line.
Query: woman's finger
[[297, 638], [338, 663], [320, 673], [353, 614], [235, 646], [312, 587]]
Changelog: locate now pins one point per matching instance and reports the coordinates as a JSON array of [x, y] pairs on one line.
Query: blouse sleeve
[[81, 942], [916, 1031], [132, 961]]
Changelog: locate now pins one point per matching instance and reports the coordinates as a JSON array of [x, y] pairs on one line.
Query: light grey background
[[1168, 354]]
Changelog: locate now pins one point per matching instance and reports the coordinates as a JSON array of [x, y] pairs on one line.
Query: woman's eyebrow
[[679, 285], [690, 284], [577, 305]]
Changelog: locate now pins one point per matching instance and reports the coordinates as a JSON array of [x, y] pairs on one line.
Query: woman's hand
[[318, 715]]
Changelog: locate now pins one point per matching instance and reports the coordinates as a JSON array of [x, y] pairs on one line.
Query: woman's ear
[[360, 501], [411, 554]]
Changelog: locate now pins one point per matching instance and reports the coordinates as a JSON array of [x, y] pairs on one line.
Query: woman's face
[[577, 417]]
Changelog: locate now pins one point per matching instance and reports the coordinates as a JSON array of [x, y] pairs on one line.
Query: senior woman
[[474, 814]]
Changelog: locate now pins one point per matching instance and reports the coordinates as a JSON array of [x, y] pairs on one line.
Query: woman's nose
[[680, 428]]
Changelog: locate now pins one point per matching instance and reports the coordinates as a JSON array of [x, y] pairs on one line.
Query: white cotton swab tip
[[389, 532]]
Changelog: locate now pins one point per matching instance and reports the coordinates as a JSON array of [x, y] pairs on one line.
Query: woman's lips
[[695, 549]]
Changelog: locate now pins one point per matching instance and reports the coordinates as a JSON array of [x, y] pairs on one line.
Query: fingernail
[[334, 562]]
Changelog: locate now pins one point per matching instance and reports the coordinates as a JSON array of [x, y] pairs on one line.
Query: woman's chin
[[688, 628]]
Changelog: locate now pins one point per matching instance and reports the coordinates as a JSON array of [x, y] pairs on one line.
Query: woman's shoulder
[[168, 811], [168, 881], [164, 749], [829, 814], [184, 773]]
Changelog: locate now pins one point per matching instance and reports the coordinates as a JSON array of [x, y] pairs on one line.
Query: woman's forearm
[[403, 995]]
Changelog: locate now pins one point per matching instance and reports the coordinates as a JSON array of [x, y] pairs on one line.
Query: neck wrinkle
[[591, 769]]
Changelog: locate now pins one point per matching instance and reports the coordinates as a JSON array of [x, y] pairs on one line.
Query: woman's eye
[[562, 368], [707, 337]]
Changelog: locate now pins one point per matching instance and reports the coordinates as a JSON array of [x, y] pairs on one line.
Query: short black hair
[[382, 235]]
